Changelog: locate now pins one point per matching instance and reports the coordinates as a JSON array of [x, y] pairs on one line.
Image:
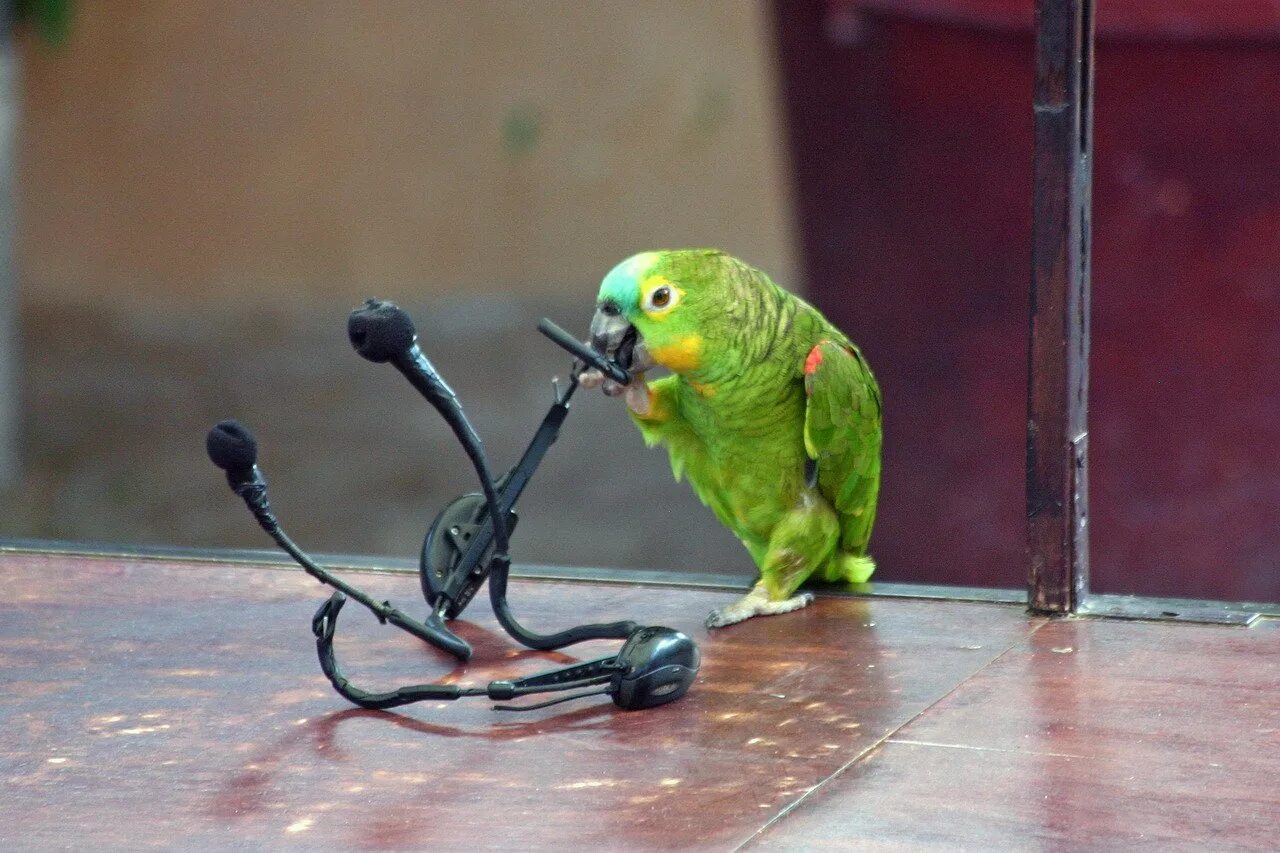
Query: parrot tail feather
[[850, 568]]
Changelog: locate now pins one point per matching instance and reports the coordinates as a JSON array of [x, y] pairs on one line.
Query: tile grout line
[[936, 745], [858, 757]]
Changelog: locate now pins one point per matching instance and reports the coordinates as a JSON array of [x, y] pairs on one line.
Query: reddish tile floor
[[1088, 734], [155, 704]]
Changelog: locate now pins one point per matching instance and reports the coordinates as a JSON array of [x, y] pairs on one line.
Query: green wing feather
[[842, 433], [688, 451]]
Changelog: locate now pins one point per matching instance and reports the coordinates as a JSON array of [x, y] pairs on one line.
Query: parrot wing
[[842, 434]]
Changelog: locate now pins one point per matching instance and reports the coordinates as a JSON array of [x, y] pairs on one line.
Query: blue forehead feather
[[622, 284]]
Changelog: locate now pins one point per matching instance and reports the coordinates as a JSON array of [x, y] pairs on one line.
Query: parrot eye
[[660, 298]]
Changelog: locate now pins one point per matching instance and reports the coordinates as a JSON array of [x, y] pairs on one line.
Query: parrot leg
[[804, 540], [756, 603]]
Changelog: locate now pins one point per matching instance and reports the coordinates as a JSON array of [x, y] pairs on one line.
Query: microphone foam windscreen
[[380, 330], [231, 446]]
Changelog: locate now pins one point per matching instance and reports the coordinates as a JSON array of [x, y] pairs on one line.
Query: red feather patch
[[815, 358]]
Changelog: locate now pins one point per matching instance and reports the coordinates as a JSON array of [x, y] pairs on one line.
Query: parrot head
[[653, 308]]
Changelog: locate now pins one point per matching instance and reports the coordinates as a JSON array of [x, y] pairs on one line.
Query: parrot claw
[[756, 603], [636, 394], [593, 378]]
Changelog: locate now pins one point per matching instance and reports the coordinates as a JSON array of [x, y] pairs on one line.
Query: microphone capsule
[[380, 331], [232, 447]]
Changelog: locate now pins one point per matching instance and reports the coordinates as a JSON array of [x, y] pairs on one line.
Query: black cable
[[551, 702], [499, 572], [517, 689], [323, 625], [254, 494], [423, 376]]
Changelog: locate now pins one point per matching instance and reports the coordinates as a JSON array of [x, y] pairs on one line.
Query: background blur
[[204, 189]]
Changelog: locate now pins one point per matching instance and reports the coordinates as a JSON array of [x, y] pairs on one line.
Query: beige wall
[[295, 150]]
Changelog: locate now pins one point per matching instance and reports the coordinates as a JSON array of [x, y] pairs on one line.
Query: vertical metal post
[[1058, 371], [10, 410]]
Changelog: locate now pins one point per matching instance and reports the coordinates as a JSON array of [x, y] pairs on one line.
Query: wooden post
[[1058, 374]]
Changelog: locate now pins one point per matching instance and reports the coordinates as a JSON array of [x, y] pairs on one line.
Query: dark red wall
[[911, 131]]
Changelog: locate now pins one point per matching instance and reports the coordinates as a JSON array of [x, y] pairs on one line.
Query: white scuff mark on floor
[[588, 783], [301, 825]]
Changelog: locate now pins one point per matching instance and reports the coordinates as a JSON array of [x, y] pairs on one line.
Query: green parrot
[[770, 412]]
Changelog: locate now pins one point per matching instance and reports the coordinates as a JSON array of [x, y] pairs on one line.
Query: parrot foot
[[756, 603]]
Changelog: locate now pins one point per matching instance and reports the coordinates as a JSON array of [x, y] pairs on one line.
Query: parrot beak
[[609, 329], [613, 336]]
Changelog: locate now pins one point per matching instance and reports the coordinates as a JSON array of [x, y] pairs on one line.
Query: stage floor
[[148, 703]]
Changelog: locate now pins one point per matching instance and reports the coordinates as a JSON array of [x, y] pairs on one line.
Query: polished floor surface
[[154, 704]]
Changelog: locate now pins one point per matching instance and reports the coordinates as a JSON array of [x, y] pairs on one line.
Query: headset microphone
[[467, 544]]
